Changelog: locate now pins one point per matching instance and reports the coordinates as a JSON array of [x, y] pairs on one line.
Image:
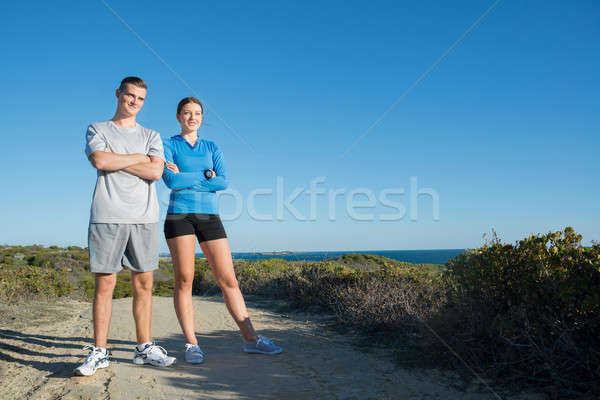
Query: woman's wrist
[[209, 174]]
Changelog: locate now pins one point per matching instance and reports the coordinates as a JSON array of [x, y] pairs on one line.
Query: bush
[[529, 311], [204, 283], [27, 281], [373, 293]]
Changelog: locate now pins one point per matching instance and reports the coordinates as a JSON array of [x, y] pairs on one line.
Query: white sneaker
[[193, 354], [97, 358], [152, 354]]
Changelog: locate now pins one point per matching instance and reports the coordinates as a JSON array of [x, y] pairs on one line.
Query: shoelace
[[89, 347], [195, 348], [95, 350], [155, 346], [265, 341]]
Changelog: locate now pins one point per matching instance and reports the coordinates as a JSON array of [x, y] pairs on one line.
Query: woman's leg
[[219, 257], [183, 250]]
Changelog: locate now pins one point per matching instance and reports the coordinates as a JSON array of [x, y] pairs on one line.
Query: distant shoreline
[[440, 256], [276, 253]]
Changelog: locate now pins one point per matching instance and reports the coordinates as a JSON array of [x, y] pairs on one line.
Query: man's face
[[131, 100]]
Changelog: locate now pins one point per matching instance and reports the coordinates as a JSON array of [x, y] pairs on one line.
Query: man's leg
[[141, 256], [106, 243], [102, 308], [142, 304]]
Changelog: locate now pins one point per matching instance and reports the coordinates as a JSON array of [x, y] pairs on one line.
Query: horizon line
[[331, 251]]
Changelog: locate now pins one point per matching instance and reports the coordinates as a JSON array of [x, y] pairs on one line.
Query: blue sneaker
[[193, 354], [262, 346]]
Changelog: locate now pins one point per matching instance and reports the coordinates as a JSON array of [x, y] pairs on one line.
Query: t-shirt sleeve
[[94, 141], [156, 146]]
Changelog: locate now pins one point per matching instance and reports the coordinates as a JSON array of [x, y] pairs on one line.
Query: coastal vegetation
[[525, 314]]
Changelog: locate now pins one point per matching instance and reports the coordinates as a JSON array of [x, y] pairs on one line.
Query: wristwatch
[[209, 174]]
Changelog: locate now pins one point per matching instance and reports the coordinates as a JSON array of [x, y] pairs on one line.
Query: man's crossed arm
[[141, 165]]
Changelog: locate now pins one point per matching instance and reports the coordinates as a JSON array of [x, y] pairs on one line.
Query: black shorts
[[204, 226]]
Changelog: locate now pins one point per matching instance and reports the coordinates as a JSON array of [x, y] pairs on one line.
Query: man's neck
[[124, 122]]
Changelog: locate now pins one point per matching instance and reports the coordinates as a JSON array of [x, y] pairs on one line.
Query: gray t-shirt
[[120, 197]]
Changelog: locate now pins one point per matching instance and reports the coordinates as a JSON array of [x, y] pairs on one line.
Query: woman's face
[[190, 117]]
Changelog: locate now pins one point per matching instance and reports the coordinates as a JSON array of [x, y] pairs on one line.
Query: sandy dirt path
[[37, 360]]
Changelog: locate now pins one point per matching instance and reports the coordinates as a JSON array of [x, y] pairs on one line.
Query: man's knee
[[105, 284], [142, 281]]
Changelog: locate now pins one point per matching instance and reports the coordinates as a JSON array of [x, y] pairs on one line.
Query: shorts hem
[[200, 240], [142, 269], [212, 238], [104, 271]]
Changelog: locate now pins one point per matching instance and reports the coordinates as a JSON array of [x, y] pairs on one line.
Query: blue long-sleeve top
[[191, 192]]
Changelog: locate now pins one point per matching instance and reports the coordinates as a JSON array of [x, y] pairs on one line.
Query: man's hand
[[150, 171], [173, 167]]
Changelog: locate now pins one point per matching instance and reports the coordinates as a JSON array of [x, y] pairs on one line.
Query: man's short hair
[[132, 80]]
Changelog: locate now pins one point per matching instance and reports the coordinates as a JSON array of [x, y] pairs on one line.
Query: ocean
[[412, 256]]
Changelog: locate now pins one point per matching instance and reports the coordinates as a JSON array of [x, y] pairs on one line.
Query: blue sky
[[505, 128]]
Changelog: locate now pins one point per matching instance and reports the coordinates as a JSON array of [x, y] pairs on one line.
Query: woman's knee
[[184, 283], [228, 282]]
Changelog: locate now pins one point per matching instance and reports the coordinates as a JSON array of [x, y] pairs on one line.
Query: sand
[[38, 356]]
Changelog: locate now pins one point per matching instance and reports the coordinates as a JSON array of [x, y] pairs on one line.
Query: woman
[[195, 171]]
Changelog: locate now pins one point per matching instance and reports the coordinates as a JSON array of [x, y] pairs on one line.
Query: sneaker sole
[[194, 361], [142, 361], [79, 372], [269, 353]]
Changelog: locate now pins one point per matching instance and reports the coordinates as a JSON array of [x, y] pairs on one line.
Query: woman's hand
[[173, 167]]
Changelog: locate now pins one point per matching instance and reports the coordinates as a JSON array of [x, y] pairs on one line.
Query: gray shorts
[[113, 246]]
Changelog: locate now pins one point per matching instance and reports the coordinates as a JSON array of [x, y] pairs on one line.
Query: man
[[123, 226]]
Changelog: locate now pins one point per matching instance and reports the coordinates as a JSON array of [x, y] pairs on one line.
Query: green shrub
[[163, 288], [29, 281], [371, 292], [123, 286], [529, 311], [86, 283], [204, 283]]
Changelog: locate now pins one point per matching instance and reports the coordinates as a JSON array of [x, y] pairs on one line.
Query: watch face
[[208, 174]]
